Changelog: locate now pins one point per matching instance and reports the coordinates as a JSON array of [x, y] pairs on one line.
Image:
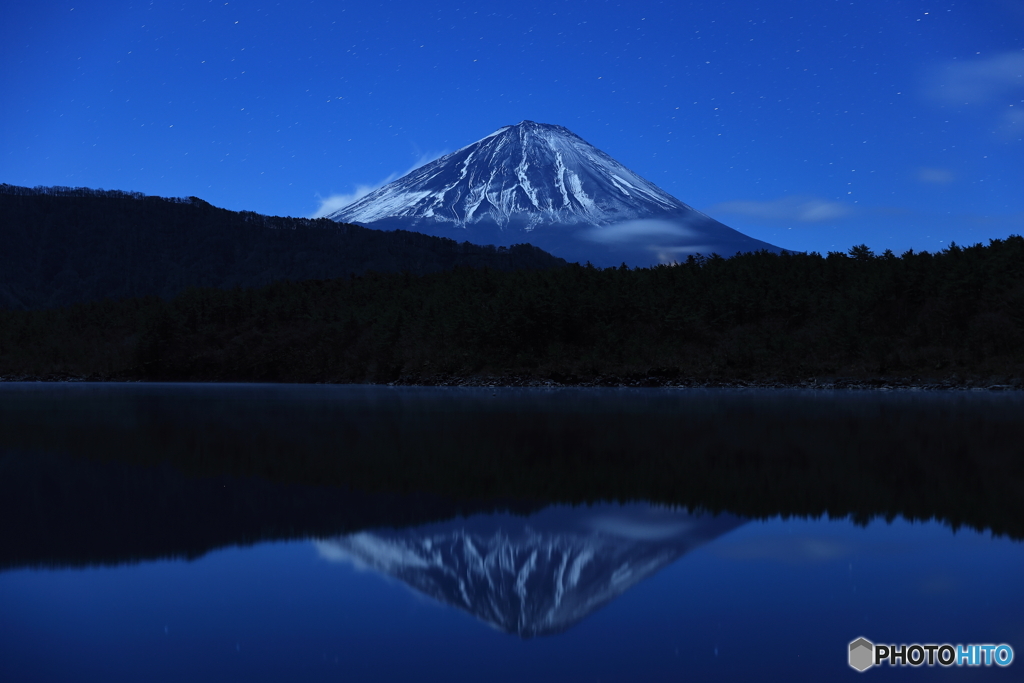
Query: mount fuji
[[542, 184], [537, 575]]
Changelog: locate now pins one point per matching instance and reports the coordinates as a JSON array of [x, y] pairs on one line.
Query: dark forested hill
[[959, 312], [60, 246]]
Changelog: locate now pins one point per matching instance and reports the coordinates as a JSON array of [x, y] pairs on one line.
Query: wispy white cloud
[[994, 84], [669, 241], [803, 549], [935, 176], [678, 254], [329, 205], [987, 80], [332, 552], [644, 231], [1011, 127], [792, 209]]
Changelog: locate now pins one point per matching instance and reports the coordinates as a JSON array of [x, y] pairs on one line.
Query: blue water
[[781, 598], [601, 593]]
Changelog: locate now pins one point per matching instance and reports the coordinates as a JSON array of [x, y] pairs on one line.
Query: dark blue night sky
[[813, 125]]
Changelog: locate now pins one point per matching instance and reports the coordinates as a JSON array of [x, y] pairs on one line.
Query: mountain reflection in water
[[535, 575], [499, 502]]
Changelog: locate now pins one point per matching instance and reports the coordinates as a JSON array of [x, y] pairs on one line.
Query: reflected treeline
[[954, 457], [60, 510]]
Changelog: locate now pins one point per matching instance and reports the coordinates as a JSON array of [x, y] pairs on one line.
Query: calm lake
[[284, 532]]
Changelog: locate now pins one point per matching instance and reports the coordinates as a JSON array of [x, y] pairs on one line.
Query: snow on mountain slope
[[541, 183], [543, 172], [537, 575]]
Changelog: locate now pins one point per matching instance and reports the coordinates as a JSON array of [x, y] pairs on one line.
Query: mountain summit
[[543, 184]]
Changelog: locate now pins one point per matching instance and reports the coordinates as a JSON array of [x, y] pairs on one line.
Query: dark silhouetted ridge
[[60, 246]]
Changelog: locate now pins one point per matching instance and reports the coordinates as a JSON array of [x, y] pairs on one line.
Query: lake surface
[[219, 532]]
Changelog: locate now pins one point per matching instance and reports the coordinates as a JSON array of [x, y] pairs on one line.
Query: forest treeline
[[753, 316], [62, 245]]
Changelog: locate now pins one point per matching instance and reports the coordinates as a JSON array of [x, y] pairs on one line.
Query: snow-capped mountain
[[542, 184], [534, 575]]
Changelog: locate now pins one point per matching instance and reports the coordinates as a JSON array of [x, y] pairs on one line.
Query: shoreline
[[830, 383]]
